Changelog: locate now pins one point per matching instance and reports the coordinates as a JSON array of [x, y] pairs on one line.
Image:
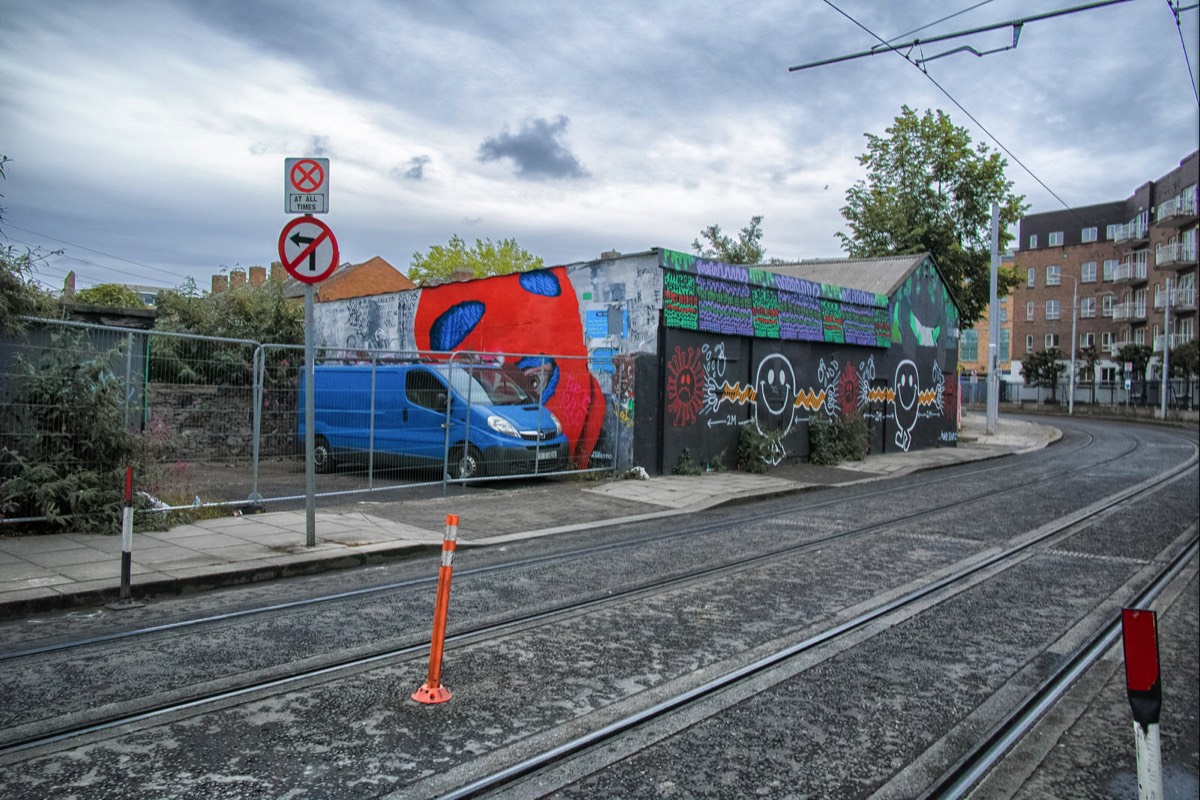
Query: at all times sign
[[306, 185]]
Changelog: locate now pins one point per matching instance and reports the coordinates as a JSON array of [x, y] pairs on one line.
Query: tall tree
[[928, 190], [718, 246], [485, 258], [19, 294]]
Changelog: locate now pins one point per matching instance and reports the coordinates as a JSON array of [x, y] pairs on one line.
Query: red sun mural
[[685, 386]]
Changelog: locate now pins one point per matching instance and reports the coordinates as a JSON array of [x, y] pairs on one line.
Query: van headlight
[[557, 424], [501, 425]]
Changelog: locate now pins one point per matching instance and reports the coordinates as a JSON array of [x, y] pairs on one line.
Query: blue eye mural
[[455, 324]]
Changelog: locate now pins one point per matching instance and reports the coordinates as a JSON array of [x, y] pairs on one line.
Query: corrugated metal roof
[[881, 275]]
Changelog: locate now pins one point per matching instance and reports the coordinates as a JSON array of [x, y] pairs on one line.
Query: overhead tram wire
[[950, 97], [62, 273], [9, 224], [1175, 12]]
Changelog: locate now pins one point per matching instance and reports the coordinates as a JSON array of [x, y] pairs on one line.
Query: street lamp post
[[1074, 316]]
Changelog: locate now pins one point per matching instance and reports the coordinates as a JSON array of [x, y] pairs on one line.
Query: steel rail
[[582, 552], [587, 741], [106, 723], [973, 766]]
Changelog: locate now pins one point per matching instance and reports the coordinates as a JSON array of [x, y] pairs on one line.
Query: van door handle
[[405, 415]]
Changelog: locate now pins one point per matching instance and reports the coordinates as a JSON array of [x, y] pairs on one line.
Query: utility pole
[[1074, 316], [1166, 380], [993, 376]]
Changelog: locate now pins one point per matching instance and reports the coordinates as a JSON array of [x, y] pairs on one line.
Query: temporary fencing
[[213, 421]]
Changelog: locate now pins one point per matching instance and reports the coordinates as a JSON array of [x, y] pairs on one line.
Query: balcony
[[1173, 341], [1184, 299], [1132, 270], [1122, 311], [1177, 212], [1175, 255], [1131, 234]]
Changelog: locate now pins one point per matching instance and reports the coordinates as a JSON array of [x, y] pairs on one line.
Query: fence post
[[432, 691], [260, 379]]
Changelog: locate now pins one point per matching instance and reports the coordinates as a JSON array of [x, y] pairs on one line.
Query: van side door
[[424, 431]]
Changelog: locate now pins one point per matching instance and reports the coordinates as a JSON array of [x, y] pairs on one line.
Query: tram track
[[190, 705], [692, 530], [962, 775]]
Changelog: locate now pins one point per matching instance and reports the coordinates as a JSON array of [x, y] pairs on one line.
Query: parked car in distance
[[414, 414]]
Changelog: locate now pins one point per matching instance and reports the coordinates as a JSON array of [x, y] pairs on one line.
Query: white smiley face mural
[[775, 396], [905, 408], [775, 391]]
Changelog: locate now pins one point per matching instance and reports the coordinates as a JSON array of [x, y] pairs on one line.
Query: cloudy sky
[[147, 139]]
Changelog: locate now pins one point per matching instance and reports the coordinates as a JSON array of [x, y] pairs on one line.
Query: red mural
[[535, 314], [848, 390], [685, 386]]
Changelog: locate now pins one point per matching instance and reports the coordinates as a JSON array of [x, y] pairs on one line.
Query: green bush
[[687, 465], [837, 439], [64, 444], [757, 451]]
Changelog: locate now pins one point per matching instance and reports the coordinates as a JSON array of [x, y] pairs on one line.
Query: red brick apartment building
[[1112, 264]]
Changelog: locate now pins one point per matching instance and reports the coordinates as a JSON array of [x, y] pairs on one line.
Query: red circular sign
[[307, 176], [308, 249]]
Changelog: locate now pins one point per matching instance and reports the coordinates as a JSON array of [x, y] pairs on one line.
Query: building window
[[1110, 268], [1003, 314], [1029, 343], [1185, 329], [1053, 275], [1033, 241], [1139, 336], [1087, 273], [1108, 374], [1005, 344], [1106, 305], [1029, 311], [1110, 232], [1087, 235], [1051, 340], [968, 346], [1052, 309], [1106, 341], [1087, 340], [1031, 276], [1055, 239], [1087, 307]]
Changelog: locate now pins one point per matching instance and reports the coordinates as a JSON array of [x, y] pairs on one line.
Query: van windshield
[[489, 384]]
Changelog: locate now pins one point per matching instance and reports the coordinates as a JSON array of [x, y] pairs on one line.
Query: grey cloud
[[318, 146], [537, 150], [415, 171]]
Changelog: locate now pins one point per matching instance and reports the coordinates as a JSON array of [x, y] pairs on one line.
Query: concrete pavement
[[39, 573]]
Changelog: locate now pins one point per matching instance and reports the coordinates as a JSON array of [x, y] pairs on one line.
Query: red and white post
[[126, 600], [433, 691], [1143, 683], [127, 536]]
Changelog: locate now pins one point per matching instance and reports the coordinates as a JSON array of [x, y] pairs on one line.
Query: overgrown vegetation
[[20, 296], [64, 440], [837, 439], [758, 451]]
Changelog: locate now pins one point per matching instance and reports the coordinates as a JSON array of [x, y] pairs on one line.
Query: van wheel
[[465, 464], [322, 455]]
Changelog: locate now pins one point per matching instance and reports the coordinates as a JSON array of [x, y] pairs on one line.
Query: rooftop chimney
[[219, 283], [258, 276]]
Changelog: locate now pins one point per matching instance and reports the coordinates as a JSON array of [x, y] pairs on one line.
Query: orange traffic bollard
[[433, 691]]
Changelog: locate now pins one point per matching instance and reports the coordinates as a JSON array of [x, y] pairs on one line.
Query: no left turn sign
[[308, 249]]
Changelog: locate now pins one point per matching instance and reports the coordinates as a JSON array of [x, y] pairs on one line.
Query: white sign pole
[[310, 473]]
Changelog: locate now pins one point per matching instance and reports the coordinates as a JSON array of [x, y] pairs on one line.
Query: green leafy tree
[[929, 190], [1044, 368], [484, 259], [257, 313], [1185, 359], [745, 249], [109, 294], [20, 296]]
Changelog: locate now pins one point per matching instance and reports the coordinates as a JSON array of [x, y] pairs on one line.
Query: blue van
[[496, 426]]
